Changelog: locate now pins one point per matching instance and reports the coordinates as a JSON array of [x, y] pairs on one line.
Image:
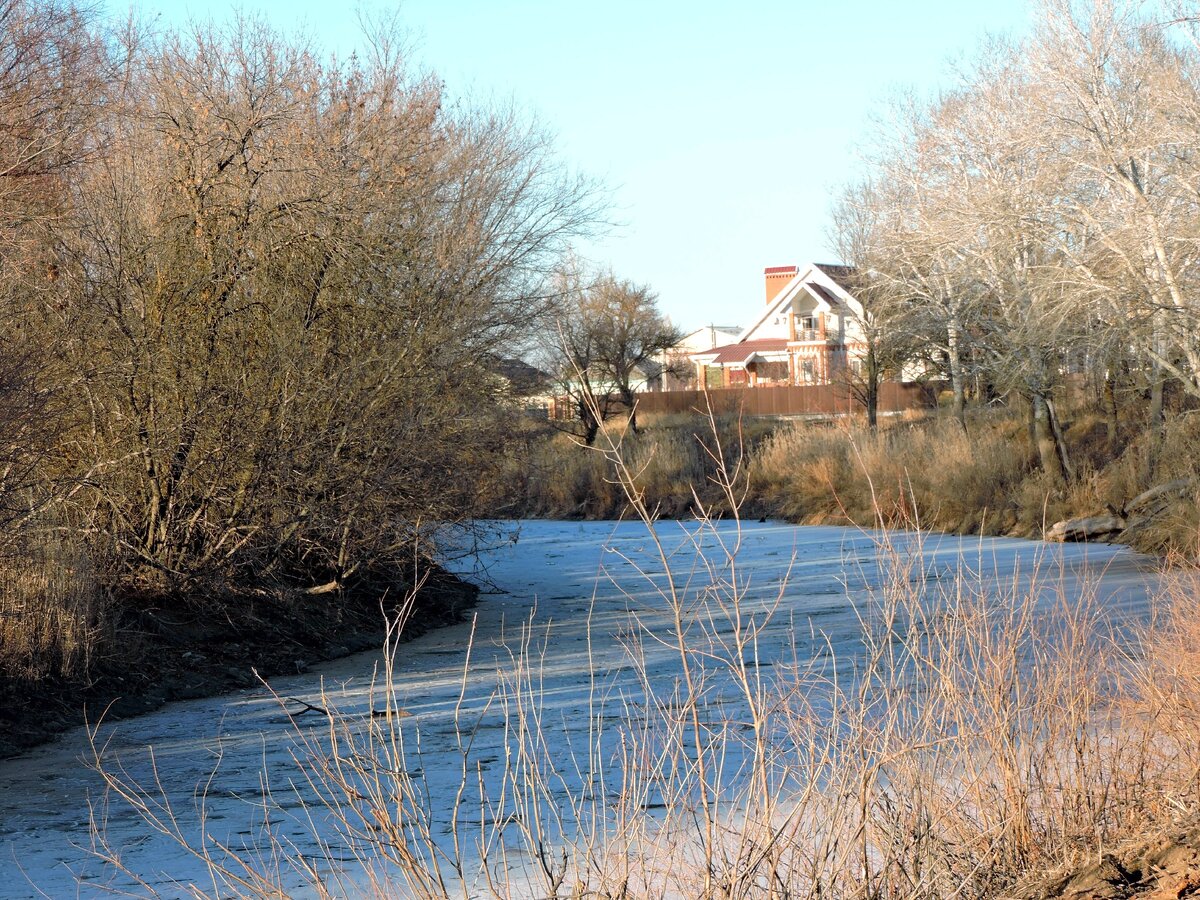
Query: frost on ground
[[600, 635]]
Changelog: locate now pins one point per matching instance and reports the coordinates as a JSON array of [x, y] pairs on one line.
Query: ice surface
[[578, 583]]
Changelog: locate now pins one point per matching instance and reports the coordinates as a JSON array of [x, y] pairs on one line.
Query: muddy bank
[[165, 649], [1165, 866]]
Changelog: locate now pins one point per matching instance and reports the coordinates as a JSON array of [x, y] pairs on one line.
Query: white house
[[808, 332]]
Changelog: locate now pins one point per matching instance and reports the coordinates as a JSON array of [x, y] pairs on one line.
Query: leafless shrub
[[282, 283]]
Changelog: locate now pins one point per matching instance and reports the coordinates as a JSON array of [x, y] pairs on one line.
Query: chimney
[[776, 278]]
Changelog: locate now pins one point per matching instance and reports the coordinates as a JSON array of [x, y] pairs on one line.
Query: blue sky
[[722, 130]]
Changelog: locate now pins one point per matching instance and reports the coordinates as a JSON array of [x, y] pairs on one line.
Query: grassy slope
[[922, 471]]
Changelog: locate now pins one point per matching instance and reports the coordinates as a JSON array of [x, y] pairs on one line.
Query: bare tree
[[913, 242], [632, 336], [1121, 103], [861, 228], [53, 71], [973, 239], [607, 345]]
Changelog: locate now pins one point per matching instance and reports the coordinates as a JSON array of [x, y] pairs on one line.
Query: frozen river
[[577, 584]]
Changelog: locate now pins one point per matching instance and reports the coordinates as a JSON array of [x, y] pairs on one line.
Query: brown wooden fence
[[790, 400]]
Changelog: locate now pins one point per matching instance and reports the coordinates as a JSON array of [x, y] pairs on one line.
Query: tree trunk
[[1156, 403], [1154, 423], [1060, 443], [1044, 439], [1031, 425], [630, 400], [872, 388], [587, 416], [1111, 419], [956, 375], [1156, 418]]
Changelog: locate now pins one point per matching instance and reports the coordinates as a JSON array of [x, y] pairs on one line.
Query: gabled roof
[[827, 282], [820, 293]]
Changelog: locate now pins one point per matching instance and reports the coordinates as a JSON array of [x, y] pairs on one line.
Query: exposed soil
[[180, 649], [1164, 867]]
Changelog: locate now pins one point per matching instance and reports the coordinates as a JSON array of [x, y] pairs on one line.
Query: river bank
[[919, 471], [165, 649]]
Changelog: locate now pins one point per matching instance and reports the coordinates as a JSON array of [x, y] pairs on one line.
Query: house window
[[807, 372], [808, 323]]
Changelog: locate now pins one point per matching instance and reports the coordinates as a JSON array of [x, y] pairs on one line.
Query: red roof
[[743, 350], [780, 270]]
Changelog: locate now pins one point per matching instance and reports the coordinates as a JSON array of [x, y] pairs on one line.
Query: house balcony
[[811, 336]]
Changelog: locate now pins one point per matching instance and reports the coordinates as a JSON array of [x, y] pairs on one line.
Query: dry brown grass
[[670, 462], [913, 469], [51, 611], [928, 472]]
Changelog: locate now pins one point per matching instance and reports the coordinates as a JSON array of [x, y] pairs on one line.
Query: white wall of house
[[706, 338], [843, 313]]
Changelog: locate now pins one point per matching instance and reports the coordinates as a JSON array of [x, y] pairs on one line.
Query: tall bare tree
[[54, 68], [862, 224], [1121, 104]]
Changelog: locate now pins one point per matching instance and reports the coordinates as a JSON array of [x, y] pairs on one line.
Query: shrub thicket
[[250, 304]]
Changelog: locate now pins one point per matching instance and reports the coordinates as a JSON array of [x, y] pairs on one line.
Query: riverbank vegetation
[[1026, 238], [250, 302], [918, 469]]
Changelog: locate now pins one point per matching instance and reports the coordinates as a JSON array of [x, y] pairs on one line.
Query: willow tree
[[1122, 103], [1006, 215], [972, 240]]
